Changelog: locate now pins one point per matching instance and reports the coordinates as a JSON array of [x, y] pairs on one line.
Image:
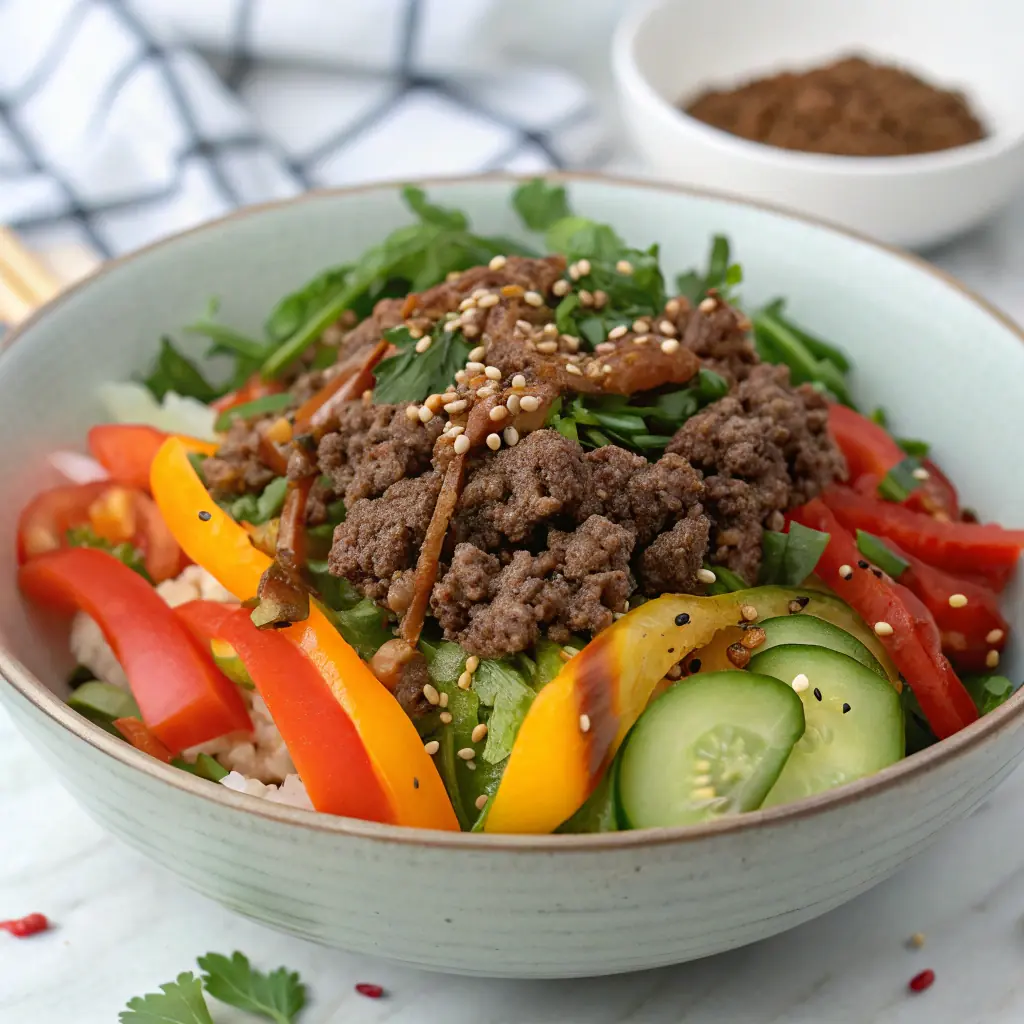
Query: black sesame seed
[[415, 783], [205, 516], [817, 694], [682, 619], [862, 564], [695, 665], [671, 650], [876, 573], [846, 708], [803, 601]]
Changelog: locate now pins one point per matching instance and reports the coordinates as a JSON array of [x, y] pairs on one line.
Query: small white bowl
[[671, 50]]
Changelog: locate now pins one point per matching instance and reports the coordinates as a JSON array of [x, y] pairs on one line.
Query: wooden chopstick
[[26, 283]]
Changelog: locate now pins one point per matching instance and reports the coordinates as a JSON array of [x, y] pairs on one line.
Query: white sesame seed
[[524, 325], [499, 412], [519, 381], [672, 307], [529, 403], [584, 723], [583, 266], [708, 305], [618, 332], [957, 600], [706, 576], [994, 636], [497, 262], [800, 682], [492, 373], [532, 298], [586, 299], [432, 747], [412, 412], [606, 368], [477, 354], [604, 346], [426, 414], [459, 405], [641, 326], [641, 339], [472, 663], [430, 692], [573, 369], [415, 333], [883, 629], [446, 717], [478, 733], [667, 327], [460, 376], [511, 436], [920, 473], [512, 403], [423, 344], [467, 304], [561, 287], [551, 330], [461, 445], [470, 330], [434, 403], [474, 366], [465, 680], [669, 346], [704, 793], [444, 700], [487, 390], [488, 300], [471, 765], [571, 343], [749, 613], [453, 275], [916, 941], [547, 347], [992, 659], [574, 272], [452, 325], [481, 801], [624, 267], [455, 430], [466, 753], [846, 572], [493, 442], [479, 293]]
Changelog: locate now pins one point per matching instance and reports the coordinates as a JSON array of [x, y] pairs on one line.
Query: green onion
[[205, 767], [101, 703], [918, 449], [271, 501], [877, 551], [900, 482], [257, 407]]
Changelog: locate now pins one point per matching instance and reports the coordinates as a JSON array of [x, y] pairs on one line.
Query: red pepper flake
[[23, 927], [922, 981], [365, 988]]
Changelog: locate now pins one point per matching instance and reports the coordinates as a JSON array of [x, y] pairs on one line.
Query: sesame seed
[[532, 298], [624, 267], [453, 275], [460, 376], [461, 444], [571, 343], [706, 576], [669, 345], [604, 347], [471, 765], [586, 299], [479, 293], [916, 941], [459, 405], [452, 325], [574, 272], [446, 717], [606, 368], [667, 327], [672, 307], [749, 612], [512, 403], [529, 403], [478, 733], [432, 747], [423, 344], [957, 600], [524, 325], [800, 682], [487, 301], [474, 366], [618, 332], [487, 390], [641, 339], [573, 369], [846, 572], [470, 330], [994, 636], [583, 266], [547, 347], [498, 413], [467, 304], [600, 299], [493, 442], [817, 694], [492, 373], [992, 659], [847, 709], [444, 700], [561, 287], [412, 412], [584, 723], [481, 801], [704, 793], [511, 436], [415, 333], [466, 753], [426, 414], [920, 473], [430, 692], [708, 305], [519, 381], [497, 262], [551, 330], [434, 403], [455, 430], [883, 629], [465, 680], [641, 326]]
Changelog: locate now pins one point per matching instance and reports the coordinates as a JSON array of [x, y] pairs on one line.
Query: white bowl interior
[[685, 46], [944, 367]]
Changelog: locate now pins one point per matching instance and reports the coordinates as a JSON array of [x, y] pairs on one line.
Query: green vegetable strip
[[789, 558], [899, 483], [877, 551], [257, 407], [230, 339]]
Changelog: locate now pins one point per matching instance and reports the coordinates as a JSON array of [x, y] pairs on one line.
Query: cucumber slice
[[838, 746], [227, 660], [710, 746], [101, 703], [815, 632]]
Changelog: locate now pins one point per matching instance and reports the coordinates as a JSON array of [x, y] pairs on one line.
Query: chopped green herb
[[205, 767], [789, 558], [878, 415], [540, 205], [292, 312], [102, 702], [411, 376], [278, 996], [86, 537], [173, 372], [503, 689], [364, 625], [918, 449], [248, 410], [988, 692], [813, 344], [875, 550], [178, 1002], [271, 500], [228, 341], [900, 482]]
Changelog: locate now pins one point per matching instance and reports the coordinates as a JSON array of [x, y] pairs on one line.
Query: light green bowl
[[945, 365]]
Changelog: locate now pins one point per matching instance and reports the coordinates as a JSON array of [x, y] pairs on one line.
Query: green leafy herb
[[988, 692], [878, 415], [257, 407], [257, 509], [411, 376], [278, 996], [540, 205], [503, 689], [101, 703], [789, 558], [228, 341], [295, 309], [900, 482], [173, 372], [80, 674], [364, 626], [818, 348], [549, 662], [726, 581], [875, 550], [918, 449], [918, 732], [600, 812], [721, 274], [205, 767], [178, 1002], [335, 591], [86, 537]]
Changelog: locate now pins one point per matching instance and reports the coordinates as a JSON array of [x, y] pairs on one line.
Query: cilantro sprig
[[411, 376]]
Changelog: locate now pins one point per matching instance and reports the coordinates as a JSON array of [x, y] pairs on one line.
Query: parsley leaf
[[173, 372], [179, 1002], [411, 376], [540, 205], [278, 996], [499, 686]]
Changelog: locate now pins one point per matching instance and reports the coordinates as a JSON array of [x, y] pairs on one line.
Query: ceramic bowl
[[671, 50], [943, 363]]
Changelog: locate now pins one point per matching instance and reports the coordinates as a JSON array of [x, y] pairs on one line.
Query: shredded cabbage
[[134, 403]]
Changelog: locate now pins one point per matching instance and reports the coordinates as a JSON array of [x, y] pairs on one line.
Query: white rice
[[291, 791]]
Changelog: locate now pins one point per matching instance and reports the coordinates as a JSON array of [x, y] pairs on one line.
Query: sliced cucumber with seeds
[[815, 632], [854, 720], [710, 746]]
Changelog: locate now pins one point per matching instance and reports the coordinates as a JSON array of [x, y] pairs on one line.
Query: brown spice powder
[[848, 108]]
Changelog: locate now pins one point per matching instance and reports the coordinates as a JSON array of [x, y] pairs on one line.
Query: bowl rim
[[630, 76], [32, 689]]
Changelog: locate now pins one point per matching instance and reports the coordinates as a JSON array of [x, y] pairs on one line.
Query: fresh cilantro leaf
[[900, 482], [429, 213], [279, 996], [173, 372], [411, 376], [257, 407], [540, 205], [789, 558], [178, 1002], [297, 307], [875, 550], [503, 689], [86, 537]]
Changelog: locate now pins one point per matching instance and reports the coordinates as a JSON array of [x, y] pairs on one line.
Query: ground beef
[[718, 336], [386, 314], [763, 448], [413, 676], [237, 469], [669, 564], [380, 538]]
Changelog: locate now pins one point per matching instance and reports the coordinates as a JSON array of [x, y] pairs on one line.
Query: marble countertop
[[123, 925]]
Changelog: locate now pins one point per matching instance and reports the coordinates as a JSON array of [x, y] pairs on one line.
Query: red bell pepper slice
[[870, 453], [126, 450], [965, 629], [914, 643], [324, 744], [184, 700], [255, 387], [141, 738], [971, 548]]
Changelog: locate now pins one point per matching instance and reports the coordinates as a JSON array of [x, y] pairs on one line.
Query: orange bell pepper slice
[[221, 546]]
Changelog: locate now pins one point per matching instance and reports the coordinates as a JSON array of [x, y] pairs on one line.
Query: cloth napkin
[[125, 120]]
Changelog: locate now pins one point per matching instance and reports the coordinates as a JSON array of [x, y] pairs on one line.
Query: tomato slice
[[126, 450], [184, 700], [913, 643]]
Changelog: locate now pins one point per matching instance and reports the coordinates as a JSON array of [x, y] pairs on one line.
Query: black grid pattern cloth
[[121, 122]]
